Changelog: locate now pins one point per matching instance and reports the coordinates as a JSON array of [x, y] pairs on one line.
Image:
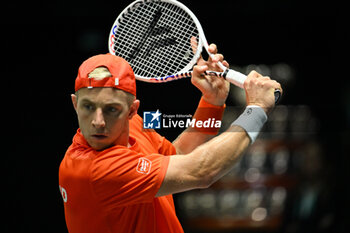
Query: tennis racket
[[154, 36]]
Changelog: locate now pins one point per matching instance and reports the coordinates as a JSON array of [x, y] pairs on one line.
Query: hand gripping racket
[[154, 36]]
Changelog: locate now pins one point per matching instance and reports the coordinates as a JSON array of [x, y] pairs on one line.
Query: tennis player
[[118, 177]]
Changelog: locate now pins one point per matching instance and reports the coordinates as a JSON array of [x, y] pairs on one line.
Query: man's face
[[103, 115]]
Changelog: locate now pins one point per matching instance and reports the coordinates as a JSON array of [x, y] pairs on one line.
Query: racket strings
[[162, 64], [159, 50]]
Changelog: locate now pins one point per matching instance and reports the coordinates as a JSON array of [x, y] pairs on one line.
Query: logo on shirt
[[151, 120], [144, 166], [64, 194]]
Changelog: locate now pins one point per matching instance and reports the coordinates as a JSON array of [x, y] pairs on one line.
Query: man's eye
[[88, 107], [111, 109]]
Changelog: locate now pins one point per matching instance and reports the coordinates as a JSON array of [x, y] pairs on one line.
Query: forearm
[[217, 157], [212, 160], [188, 140], [206, 164], [230, 144], [193, 137]]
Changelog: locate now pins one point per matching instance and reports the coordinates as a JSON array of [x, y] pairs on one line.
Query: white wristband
[[252, 120]]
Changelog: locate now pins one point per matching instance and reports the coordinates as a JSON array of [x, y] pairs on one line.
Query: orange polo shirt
[[114, 190]]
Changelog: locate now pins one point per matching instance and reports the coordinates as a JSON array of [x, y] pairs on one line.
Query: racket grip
[[238, 79], [235, 77]]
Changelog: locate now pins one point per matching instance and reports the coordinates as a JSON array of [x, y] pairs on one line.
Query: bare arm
[[206, 164], [214, 90], [188, 140], [212, 160]]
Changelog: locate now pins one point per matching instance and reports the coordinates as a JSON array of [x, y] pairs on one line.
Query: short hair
[[102, 72]]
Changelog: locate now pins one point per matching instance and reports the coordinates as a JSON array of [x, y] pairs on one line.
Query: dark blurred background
[[302, 43]]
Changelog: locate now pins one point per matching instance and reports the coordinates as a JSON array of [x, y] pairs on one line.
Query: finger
[[273, 84], [194, 44], [217, 57], [265, 78], [254, 74], [277, 86], [213, 49], [197, 75], [199, 70], [225, 63]]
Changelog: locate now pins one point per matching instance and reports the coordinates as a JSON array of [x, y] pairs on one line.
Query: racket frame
[[183, 73], [230, 75]]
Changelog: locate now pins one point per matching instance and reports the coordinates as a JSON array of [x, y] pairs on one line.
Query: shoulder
[[125, 177], [143, 135], [113, 158], [150, 136]]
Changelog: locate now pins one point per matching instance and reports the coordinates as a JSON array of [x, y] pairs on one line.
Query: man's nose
[[98, 121]]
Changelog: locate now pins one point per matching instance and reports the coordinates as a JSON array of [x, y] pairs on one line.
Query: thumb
[[198, 73], [199, 70]]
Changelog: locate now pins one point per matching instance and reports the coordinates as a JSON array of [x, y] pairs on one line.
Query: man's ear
[[74, 101], [133, 108]]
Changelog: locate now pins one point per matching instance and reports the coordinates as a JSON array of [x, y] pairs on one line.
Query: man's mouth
[[99, 136]]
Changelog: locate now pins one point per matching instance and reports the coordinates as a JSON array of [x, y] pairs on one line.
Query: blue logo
[[151, 120]]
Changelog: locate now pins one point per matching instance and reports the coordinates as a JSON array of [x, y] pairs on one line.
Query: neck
[[123, 139]]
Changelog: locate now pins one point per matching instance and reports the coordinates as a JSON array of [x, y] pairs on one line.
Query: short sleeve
[[127, 178], [166, 147]]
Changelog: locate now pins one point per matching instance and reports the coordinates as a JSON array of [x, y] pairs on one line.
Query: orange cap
[[123, 77]]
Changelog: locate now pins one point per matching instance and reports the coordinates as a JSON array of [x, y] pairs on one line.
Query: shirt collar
[[81, 141]]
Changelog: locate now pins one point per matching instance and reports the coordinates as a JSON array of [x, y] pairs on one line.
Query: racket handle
[[235, 77], [238, 79]]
